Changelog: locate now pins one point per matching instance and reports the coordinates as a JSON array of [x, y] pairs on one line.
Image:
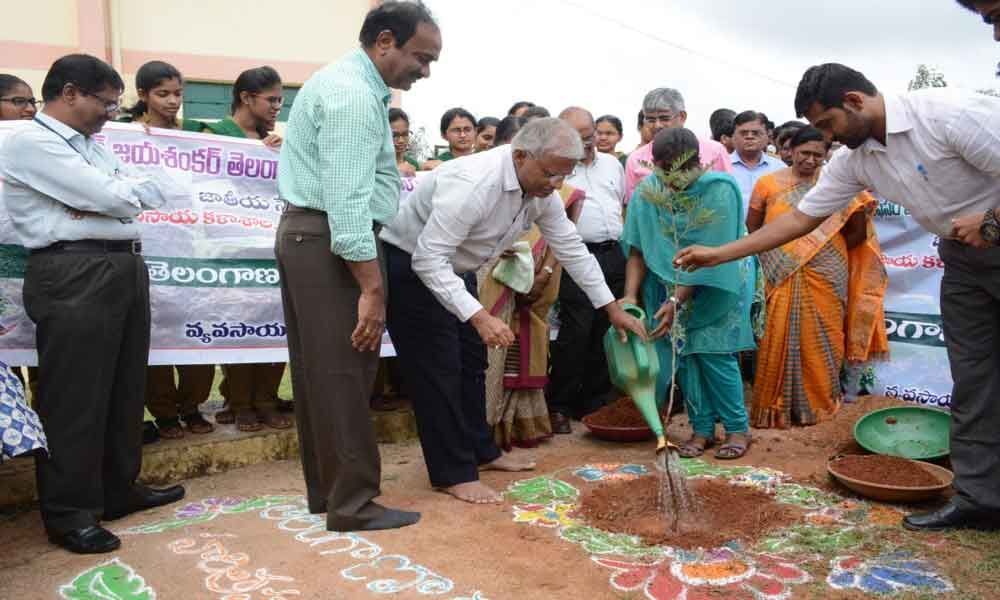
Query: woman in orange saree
[[516, 376], [824, 294]]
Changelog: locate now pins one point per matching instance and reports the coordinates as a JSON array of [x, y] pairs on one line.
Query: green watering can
[[634, 367]]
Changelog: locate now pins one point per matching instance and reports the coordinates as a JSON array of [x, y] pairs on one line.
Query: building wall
[[207, 40]]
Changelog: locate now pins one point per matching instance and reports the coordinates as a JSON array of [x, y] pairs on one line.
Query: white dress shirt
[[941, 160], [603, 181], [466, 212], [61, 186]]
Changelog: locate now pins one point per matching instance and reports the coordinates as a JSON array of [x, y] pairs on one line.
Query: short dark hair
[[536, 112], [486, 122], [612, 120], [507, 129], [787, 130], [399, 18], [672, 143], [721, 123], [455, 113], [9, 82], [807, 134], [642, 119], [253, 81], [826, 85], [148, 77], [84, 71], [969, 4], [397, 114], [518, 106], [749, 116]]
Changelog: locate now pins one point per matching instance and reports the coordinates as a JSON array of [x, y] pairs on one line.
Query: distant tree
[[927, 77]]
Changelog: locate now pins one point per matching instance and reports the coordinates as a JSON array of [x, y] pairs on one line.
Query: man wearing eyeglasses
[[663, 108], [86, 288], [750, 161]]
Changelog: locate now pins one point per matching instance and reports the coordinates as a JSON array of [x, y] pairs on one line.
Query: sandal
[[196, 423], [225, 417], [731, 450], [692, 449], [246, 420], [274, 419], [170, 429]]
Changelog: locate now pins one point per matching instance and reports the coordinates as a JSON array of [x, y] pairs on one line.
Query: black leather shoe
[[143, 498], [88, 540], [560, 423], [951, 516]]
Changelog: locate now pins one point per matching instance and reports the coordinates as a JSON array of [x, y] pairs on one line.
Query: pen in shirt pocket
[[923, 172]]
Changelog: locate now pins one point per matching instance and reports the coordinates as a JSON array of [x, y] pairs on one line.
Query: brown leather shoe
[[560, 423]]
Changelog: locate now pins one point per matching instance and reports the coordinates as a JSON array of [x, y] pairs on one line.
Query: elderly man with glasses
[[465, 214], [663, 108]]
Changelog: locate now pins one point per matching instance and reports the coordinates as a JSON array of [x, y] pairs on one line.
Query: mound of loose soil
[[723, 512], [885, 470], [620, 413]]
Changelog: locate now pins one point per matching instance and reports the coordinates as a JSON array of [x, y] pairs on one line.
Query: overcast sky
[[606, 54]]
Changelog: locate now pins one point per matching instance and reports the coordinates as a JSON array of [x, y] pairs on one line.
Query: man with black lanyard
[[86, 288]]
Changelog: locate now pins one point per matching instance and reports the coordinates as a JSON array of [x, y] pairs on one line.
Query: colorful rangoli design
[[769, 570]]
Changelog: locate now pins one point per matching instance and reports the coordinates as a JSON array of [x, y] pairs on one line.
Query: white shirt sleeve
[[975, 134], [42, 163], [455, 210], [836, 187], [572, 254]]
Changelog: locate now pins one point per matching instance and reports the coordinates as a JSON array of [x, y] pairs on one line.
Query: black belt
[[93, 246], [603, 246]]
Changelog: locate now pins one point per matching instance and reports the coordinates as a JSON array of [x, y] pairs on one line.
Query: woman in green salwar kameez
[[701, 318]]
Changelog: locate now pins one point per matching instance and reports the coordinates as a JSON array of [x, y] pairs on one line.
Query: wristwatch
[[990, 229]]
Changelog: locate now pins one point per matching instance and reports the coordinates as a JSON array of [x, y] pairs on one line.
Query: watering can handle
[[641, 352]]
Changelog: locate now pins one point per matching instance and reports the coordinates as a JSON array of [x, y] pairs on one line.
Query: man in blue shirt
[[750, 161]]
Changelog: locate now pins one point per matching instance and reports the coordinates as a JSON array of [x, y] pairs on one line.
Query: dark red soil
[[620, 413], [723, 513], [886, 470]]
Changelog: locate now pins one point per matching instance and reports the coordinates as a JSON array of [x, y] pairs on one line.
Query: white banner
[[214, 295], [918, 367]]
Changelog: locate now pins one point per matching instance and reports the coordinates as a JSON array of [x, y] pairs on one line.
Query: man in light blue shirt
[[750, 161], [338, 175], [86, 288]]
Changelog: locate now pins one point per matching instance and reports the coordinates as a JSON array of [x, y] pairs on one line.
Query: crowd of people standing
[[758, 239]]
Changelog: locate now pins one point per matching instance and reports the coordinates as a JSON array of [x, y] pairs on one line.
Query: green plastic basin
[[909, 431]]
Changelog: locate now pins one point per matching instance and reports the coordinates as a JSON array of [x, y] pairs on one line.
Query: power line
[[677, 46]]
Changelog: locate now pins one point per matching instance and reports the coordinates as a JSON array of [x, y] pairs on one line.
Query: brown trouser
[[332, 381], [253, 385], [165, 400]]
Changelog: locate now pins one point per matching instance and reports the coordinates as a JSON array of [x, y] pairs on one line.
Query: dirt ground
[[246, 535]]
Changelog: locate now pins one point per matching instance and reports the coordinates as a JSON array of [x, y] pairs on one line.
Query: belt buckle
[[136, 247]]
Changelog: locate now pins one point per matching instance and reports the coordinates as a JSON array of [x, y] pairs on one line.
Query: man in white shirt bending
[[937, 153], [579, 383], [463, 215], [86, 288]]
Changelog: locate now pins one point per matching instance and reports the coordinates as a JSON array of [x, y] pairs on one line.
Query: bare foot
[[509, 462], [474, 492]]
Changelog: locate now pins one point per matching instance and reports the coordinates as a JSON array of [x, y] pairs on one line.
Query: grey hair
[[662, 99], [548, 137]]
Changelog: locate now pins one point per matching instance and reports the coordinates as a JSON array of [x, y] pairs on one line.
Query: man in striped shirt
[[338, 176]]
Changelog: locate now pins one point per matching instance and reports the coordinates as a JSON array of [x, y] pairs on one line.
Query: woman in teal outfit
[[706, 312]]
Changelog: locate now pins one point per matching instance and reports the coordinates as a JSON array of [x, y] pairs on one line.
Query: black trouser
[[444, 364], [332, 381], [91, 312], [579, 382], [970, 309]]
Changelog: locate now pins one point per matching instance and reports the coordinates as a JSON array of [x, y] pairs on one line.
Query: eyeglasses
[[751, 133], [275, 101], [110, 106], [20, 101]]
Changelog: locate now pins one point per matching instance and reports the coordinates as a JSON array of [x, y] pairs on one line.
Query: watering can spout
[[634, 368]]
